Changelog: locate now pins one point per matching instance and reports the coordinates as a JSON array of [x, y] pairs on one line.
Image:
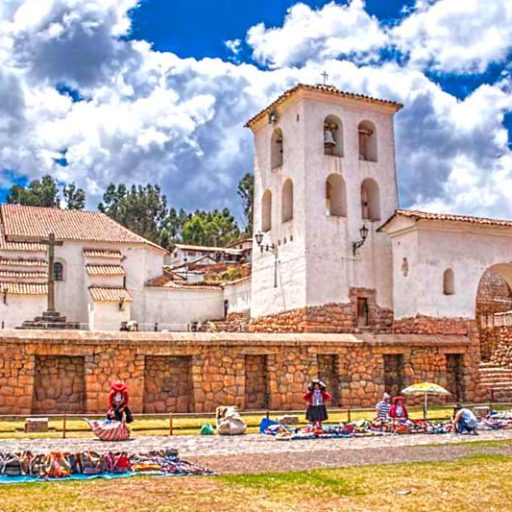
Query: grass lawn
[[160, 426], [474, 483]]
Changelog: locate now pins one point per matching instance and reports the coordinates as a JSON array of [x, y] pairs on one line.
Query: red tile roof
[[24, 288], [168, 282], [109, 294], [17, 274], [20, 262], [327, 89], [105, 270], [103, 253], [26, 223], [417, 215]]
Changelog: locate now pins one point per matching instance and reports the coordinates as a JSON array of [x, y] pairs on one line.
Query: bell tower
[[325, 180]]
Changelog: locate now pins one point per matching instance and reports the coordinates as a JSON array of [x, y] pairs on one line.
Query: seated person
[[398, 410], [118, 399], [464, 421], [383, 407]]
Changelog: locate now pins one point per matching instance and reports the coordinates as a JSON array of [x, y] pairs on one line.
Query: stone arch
[[276, 149], [335, 196], [287, 201], [367, 136], [266, 211], [370, 200], [333, 136], [493, 303]]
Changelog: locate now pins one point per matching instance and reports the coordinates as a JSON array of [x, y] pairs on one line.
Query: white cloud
[[308, 34], [456, 35]]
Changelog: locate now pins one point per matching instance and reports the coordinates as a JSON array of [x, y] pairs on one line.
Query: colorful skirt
[[316, 413]]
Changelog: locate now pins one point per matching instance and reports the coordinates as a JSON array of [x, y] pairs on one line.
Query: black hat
[[322, 385]]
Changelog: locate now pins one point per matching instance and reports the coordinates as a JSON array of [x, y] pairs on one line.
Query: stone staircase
[[497, 380], [49, 320]]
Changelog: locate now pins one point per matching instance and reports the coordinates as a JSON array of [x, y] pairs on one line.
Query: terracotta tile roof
[[327, 89], [20, 274], [24, 223], [417, 215], [105, 270], [20, 262], [24, 288], [167, 282], [204, 248], [103, 253], [109, 294]]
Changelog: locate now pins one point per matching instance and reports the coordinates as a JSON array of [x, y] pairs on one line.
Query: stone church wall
[[199, 371]]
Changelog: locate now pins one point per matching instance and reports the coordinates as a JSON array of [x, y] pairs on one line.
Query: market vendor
[[383, 407], [316, 397], [398, 410], [464, 421], [118, 399]]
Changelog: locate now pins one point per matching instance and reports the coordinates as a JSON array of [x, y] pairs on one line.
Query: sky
[[130, 91]]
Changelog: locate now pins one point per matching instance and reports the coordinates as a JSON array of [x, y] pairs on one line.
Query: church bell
[[329, 139]]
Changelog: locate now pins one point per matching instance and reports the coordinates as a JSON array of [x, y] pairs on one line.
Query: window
[[370, 202], [448, 282], [335, 196], [276, 149], [58, 271], [367, 141], [266, 211], [363, 312], [287, 204], [333, 136]]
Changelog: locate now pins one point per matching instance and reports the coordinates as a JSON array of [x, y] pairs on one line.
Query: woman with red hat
[[118, 399], [398, 410]]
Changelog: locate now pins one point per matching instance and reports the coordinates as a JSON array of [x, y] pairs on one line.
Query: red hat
[[396, 398], [119, 386]]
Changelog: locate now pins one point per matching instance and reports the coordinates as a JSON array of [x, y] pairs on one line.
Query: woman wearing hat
[[316, 397], [398, 410]]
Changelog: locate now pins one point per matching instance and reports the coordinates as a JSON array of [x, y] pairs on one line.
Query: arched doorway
[[494, 312]]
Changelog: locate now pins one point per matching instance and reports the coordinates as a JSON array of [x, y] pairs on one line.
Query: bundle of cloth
[[496, 421], [229, 421], [109, 430], [57, 465]]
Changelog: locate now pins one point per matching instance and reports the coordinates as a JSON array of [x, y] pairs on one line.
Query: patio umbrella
[[425, 388]]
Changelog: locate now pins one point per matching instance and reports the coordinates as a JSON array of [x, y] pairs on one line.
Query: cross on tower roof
[[325, 77]]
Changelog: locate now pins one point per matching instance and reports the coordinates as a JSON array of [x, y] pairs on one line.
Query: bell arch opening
[[493, 309]]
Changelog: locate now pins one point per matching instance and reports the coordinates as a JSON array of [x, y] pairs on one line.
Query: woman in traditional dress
[[316, 397]]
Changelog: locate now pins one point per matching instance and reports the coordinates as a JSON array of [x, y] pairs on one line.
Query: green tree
[[44, 192], [246, 192], [217, 228], [173, 225], [74, 197], [143, 210]]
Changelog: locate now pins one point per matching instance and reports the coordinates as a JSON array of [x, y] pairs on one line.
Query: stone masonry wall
[[334, 318], [217, 366]]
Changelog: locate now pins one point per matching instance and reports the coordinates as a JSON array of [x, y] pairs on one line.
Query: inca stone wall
[[59, 384], [329, 318], [215, 367], [168, 384]]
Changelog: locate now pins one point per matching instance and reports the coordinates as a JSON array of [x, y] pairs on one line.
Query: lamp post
[[266, 248], [364, 235]]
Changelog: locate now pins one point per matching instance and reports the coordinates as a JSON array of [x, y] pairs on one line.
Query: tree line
[[144, 210]]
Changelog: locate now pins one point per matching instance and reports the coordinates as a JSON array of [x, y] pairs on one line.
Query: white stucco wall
[[238, 295], [20, 308], [106, 316], [174, 309], [431, 248], [318, 267]]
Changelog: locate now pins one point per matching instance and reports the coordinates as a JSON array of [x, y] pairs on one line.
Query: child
[[316, 398], [398, 410]]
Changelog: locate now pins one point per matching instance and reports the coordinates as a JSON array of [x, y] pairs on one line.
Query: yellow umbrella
[[425, 388]]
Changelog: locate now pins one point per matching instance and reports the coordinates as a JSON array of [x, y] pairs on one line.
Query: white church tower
[[325, 180]]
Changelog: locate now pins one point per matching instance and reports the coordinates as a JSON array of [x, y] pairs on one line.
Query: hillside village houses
[[332, 251]]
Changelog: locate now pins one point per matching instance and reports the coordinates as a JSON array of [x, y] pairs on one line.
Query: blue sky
[[158, 91]]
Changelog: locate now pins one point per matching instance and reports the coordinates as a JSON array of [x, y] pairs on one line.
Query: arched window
[[370, 202], [266, 211], [333, 136], [367, 141], [335, 196], [276, 149], [58, 271], [287, 201], [448, 282]]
